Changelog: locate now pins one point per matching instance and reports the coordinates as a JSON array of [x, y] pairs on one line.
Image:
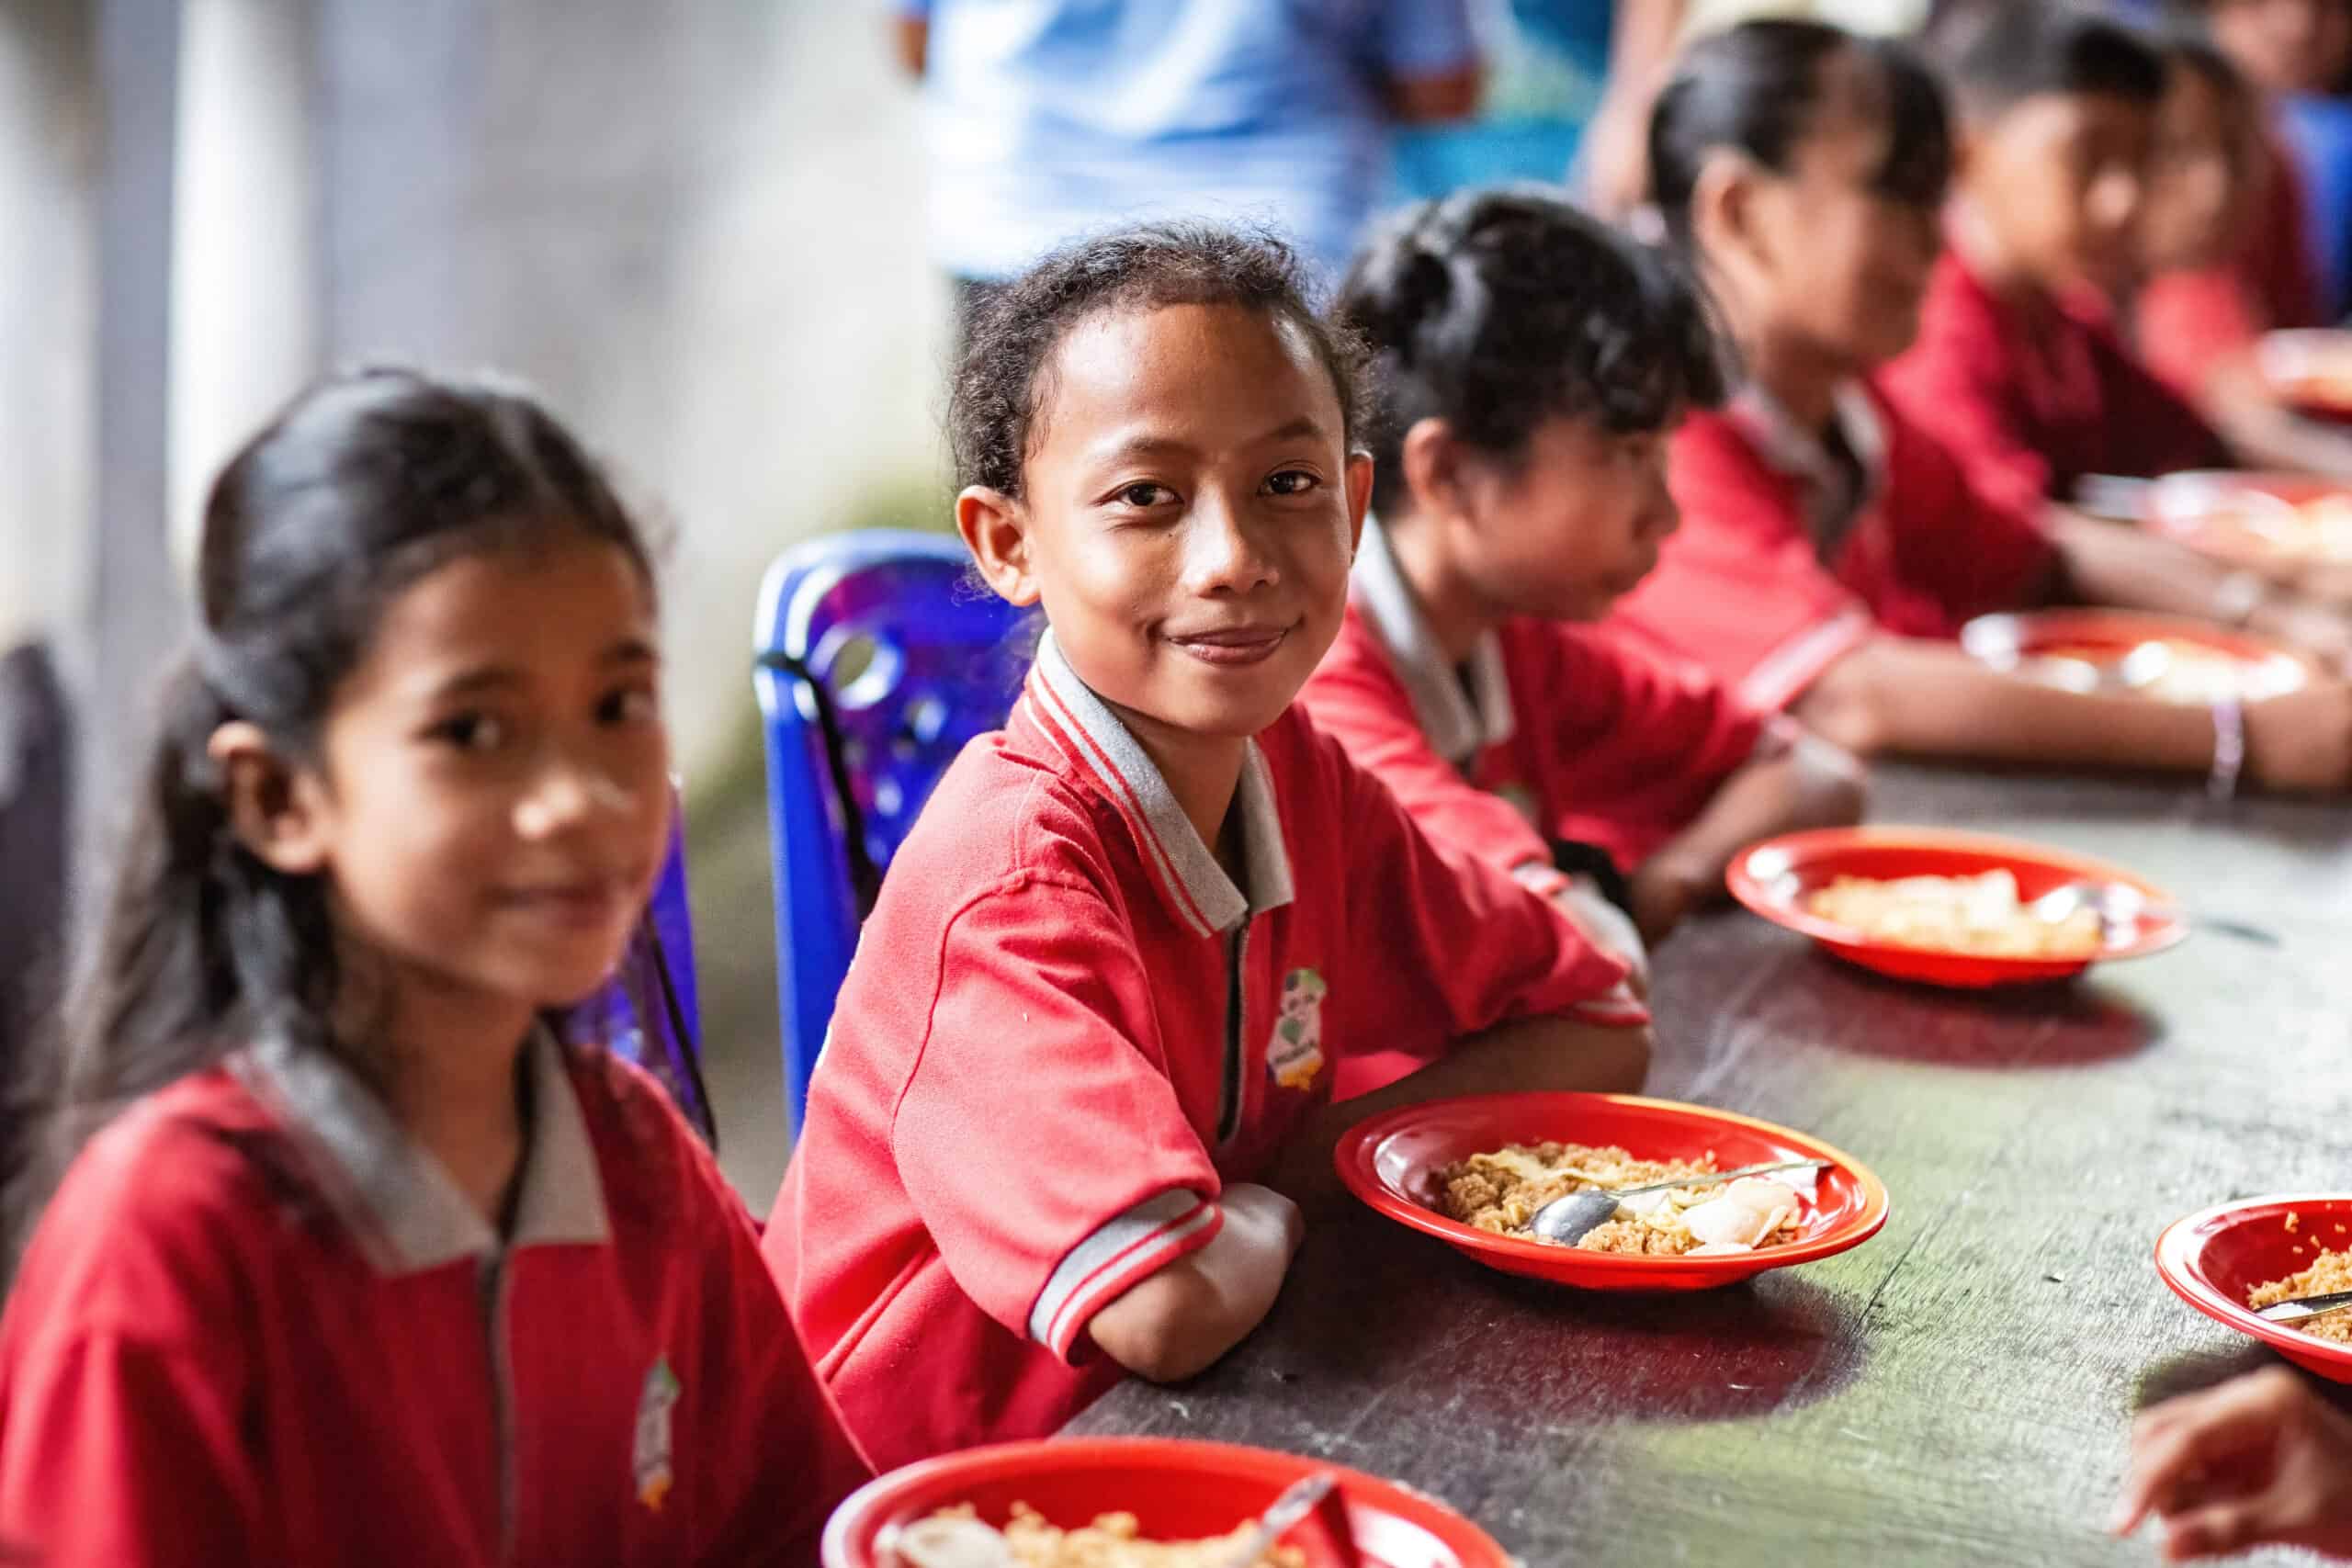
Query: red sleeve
[[1634, 745], [2154, 430], [1737, 589], [1356, 699], [2187, 322], [1442, 946], [1957, 380], [124, 1453], [1045, 1154], [125, 1377], [1933, 553]]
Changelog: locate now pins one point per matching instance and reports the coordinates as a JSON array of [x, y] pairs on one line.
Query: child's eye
[[1145, 494], [629, 704], [1292, 481], [470, 732]]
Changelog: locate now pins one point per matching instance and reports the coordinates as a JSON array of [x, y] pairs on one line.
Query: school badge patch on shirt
[[651, 1455], [1295, 1057]]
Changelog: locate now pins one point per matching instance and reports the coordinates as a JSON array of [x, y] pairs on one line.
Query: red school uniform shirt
[[1785, 561], [1066, 1029], [2029, 404], [1548, 731], [259, 1324]]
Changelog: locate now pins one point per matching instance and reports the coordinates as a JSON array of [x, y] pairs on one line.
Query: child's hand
[[2323, 634], [2301, 742], [1608, 928], [2260, 1459], [1665, 891]]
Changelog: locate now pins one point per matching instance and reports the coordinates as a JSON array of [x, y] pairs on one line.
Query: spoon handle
[[1299, 1500], [1714, 1177]]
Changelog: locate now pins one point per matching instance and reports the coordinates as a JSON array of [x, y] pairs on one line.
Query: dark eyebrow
[[489, 677], [630, 650], [626, 650]]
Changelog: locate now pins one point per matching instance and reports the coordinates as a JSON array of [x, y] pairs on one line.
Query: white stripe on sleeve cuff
[[1117, 1258]]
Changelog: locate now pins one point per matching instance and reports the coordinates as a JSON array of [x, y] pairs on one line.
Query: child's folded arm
[[1367, 710], [1040, 1142], [1185, 1315], [1930, 699]]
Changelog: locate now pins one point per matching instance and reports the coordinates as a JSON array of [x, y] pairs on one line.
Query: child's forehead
[[1207, 369]]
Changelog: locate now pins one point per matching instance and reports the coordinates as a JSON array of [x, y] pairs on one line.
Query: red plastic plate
[[1774, 878], [2096, 641], [2211, 1259], [2310, 370], [2217, 512], [1177, 1490], [1392, 1163]]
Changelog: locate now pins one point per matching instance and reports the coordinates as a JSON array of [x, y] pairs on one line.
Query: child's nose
[[568, 795], [1225, 554]]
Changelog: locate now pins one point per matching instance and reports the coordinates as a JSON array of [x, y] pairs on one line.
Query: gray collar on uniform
[[400, 1201], [1188, 873], [1455, 728], [1792, 449]]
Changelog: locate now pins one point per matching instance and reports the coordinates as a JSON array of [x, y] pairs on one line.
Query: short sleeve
[[912, 10], [120, 1453], [1635, 744], [1042, 1149], [1452, 946], [1741, 543], [1934, 552], [1956, 380], [2154, 428], [1427, 37], [1362, 706]]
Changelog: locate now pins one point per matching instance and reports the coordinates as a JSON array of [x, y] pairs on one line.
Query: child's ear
[[996, 530], [274, 807], [1359, 497], [1430, 459], [1723, 206]]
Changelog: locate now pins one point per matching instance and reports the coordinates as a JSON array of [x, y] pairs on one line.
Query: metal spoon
[[1566, 1219], [2303, 1309], [2118, 907], [1298, 1500]]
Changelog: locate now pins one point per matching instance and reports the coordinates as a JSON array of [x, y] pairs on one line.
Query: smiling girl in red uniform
[[1534, 363], [364, 1266], [1088, 1043], [1829, 546]]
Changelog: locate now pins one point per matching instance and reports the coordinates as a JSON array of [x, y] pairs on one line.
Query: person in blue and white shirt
[[1049, 118]]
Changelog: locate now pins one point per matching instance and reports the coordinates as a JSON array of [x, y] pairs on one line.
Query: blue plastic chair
[[648, 1012], [876, 660]]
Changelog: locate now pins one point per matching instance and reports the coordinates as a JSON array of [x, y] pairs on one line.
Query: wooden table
[[1957, 1390]]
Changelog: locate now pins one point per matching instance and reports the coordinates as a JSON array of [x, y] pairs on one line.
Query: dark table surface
[[1956, 1391]]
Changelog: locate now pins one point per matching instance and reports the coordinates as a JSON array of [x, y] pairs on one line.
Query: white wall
[[245, 306], [695, 226], [47, 266]]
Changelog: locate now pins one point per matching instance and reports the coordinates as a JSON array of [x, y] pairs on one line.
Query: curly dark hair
[[1003, 376], [1496, 310]]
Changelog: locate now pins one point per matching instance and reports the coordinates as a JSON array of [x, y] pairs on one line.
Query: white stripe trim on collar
[[1455, 729], [401, 1201], [1193, 883]]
